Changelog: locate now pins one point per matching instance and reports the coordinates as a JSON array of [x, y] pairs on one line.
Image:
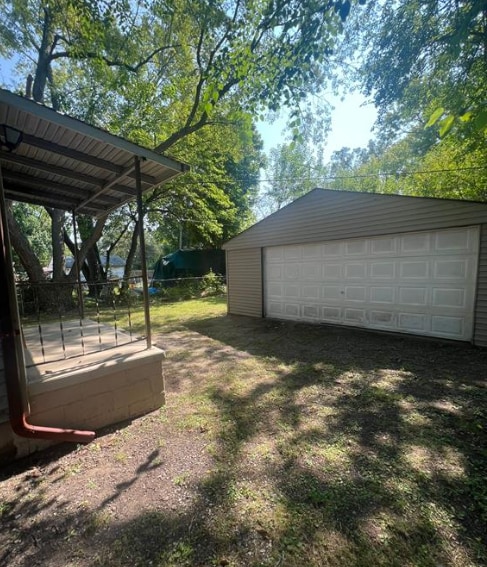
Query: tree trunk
[[22, 247], [131, 255], [57, 238], [44, 58]]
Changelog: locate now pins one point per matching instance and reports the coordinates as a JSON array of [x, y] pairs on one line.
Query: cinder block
[[53, 417], [144, 406]]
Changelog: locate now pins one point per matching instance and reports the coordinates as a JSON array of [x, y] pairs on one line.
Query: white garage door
[[422, 282]]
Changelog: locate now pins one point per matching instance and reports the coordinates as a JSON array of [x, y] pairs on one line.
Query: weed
[[180, 479], [95, 522], [121, 457], [72, 470]]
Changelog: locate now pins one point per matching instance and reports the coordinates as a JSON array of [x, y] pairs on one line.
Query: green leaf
[[467, 116], [481, 120], [446, 125], [437, 114]]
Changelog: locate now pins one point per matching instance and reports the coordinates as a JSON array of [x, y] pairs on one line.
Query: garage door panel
[[414, 270], [292, 253], [452, 241], [382, 319], [455, 269], [333, 249], [355, 293], [354, 247], [332, 271], [333, 314], [418, 243], [444, 325], [412, 322], [382, 270], [291, 271], [383, 294], [421, 283], [291, 291], [311, 271], [311, 292], [384, 246], [413, 296], [444, 297], [312, 251], [357, 270], [312, 312]]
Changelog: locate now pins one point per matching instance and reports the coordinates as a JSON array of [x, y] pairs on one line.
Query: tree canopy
[[424, 62], [178, 75]]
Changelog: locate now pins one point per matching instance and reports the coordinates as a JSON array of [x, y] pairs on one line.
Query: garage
[[422, 282], [380, 262]]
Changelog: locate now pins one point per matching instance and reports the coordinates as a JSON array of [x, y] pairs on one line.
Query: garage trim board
[[419, 282]]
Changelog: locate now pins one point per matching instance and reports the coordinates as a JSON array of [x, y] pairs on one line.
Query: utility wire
[[383, 174]]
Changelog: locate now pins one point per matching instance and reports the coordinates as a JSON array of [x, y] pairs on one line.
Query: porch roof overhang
[[67, 164]]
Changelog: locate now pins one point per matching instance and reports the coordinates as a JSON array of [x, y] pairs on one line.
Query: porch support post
[[10, 327], [78, 269], [143, 259]]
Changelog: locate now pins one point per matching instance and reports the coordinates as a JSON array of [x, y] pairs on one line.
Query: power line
[[380, 174]]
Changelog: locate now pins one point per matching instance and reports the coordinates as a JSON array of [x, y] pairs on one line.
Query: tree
[[447, 170], [292, 171], [33, 222], [425, 63], [160, 72]]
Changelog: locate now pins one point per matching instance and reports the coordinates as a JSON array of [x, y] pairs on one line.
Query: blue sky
[[352, 121]]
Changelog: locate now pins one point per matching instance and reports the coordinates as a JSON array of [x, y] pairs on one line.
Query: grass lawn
[[281, 444]]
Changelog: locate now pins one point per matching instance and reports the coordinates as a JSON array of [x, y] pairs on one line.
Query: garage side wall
[[244, 280], [480, 330]]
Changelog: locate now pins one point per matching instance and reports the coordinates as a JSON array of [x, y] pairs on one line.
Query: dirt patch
[[281, 444]]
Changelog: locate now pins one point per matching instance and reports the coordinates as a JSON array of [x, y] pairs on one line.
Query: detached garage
[[384, 262]]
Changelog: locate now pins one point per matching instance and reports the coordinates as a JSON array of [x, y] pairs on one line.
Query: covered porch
[[64, 379]]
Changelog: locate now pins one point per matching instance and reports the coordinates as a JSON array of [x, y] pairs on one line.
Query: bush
[[189, 288], [211, 284]]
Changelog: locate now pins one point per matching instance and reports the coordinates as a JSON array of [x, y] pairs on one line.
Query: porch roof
[[67, 164]]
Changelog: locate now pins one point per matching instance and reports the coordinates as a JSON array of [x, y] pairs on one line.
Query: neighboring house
[[383, 262], [51, 159], [116, 266]]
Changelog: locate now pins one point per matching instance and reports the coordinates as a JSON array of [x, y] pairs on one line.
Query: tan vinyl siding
[[324, 215], [244, 279], [480, 331]]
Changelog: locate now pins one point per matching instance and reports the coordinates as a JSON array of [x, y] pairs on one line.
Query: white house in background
[[117, 266]]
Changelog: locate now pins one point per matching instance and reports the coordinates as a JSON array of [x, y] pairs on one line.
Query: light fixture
[[10, 137]]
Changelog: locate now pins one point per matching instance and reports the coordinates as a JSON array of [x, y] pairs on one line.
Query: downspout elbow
[[21, 427]]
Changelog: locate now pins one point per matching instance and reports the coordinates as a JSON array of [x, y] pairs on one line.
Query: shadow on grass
[[394, 466], [332, 447]]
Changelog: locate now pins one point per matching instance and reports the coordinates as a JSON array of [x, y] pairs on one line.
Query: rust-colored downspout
[[10, 337]]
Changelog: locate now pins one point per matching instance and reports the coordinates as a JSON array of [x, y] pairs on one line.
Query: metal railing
[[65, 320], [61, 321]]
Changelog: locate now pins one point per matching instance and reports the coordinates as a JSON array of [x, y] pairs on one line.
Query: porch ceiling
[[65, 163]]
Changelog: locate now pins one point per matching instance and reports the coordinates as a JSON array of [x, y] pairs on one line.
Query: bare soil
[[280, 444]]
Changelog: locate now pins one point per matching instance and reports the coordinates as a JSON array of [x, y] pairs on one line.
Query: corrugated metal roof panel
[[57, 150]]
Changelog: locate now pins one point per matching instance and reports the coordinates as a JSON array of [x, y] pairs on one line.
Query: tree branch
[[115, 62]]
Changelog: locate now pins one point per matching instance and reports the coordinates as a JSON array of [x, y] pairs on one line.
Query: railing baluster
[[61, 327], [98, 319], [39, 324], [115, 320], [129, 313]]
